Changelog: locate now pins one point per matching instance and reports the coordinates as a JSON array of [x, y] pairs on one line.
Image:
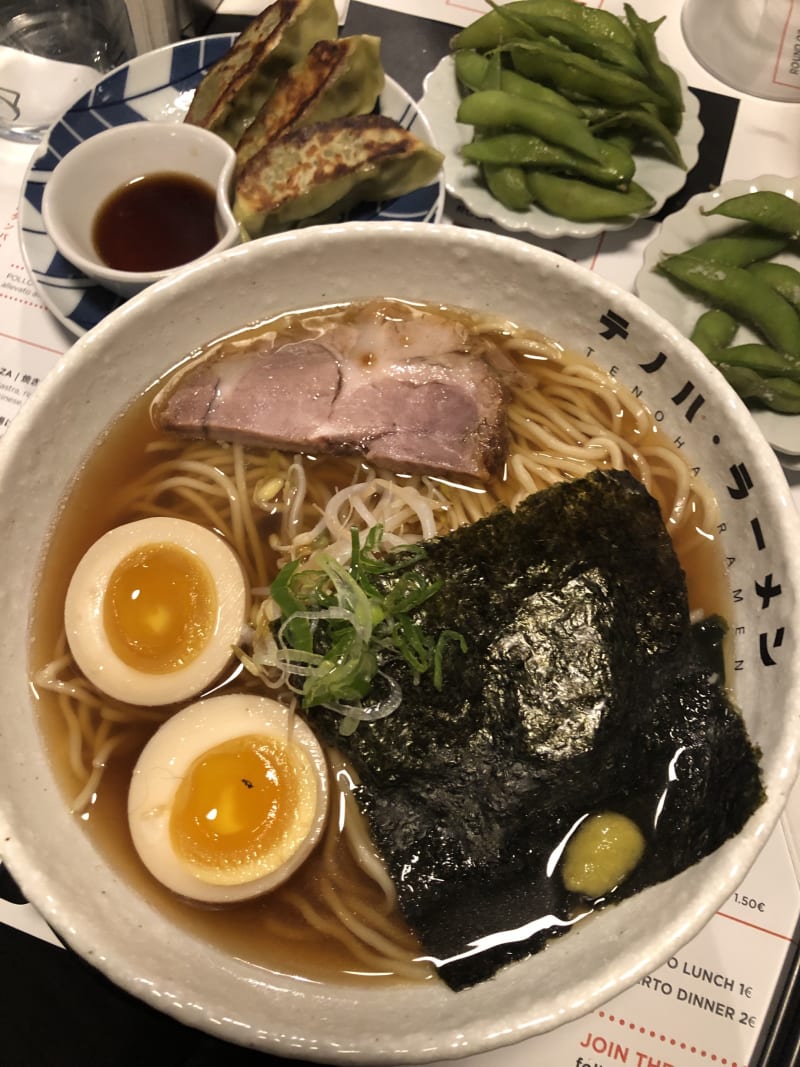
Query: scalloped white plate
[[158, 87], [689, 227], [439, 105]]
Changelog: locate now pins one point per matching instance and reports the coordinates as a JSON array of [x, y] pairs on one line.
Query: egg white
[[83, 612], [166, 759]]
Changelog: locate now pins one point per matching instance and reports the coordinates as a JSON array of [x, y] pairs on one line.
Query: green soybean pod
[[740, 247], [777, 394], [643, 122], [747, 298], [662, 76], [623, 141], [580, 201], [759, 358], [493, 28], [488, 31], [773, 211], [508, 185], [714, 330], [599, 23], [471, 69], [528, 150], [783, 279], [574, 36], [505, 183], [493, 72], [580, 75], [497, 109]]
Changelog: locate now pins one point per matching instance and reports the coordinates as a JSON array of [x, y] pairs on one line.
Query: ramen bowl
[[82, 890]]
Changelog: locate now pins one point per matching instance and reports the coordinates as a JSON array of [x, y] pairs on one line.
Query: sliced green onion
[[341, 627]]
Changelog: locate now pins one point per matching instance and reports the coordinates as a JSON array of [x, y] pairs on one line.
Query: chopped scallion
[[341, 627]]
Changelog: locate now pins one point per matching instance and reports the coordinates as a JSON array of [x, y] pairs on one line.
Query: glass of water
[[52, 51], [751, 45]]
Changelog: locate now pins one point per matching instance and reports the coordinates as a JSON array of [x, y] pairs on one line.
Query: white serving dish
[[683, 230], [439, 105]]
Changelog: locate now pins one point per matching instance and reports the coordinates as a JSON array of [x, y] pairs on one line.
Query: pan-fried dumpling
[[234, 89], [341, 162], [336, 79]]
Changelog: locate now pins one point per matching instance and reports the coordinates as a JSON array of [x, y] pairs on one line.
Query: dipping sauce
[[156, 222]]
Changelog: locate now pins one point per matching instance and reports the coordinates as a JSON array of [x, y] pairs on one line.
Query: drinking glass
[[52, 51], [751, 45]]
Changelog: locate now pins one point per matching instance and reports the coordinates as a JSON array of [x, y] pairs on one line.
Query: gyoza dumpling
[[341, 162], [234, 89], [336, 79]]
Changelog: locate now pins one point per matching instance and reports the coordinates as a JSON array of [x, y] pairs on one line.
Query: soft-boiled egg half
[[154, 609], [228, 798]]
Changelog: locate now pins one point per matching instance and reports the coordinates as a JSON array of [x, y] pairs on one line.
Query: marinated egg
[[154, 609], [228, 797]]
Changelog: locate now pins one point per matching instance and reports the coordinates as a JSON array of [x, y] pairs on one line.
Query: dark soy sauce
[[156, 222]]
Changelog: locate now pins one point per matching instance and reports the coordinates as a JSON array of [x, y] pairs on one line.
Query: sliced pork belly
[[410, 395]]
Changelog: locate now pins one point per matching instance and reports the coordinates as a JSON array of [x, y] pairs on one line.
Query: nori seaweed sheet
[[584, 688]]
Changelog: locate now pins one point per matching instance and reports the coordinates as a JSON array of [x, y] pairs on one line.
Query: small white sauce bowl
[[99, 166]]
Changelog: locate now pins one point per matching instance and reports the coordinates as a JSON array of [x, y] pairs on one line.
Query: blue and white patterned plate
[[158, 87]]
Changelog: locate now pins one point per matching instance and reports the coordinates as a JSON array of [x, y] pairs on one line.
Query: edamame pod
[[743, 246], [486, 31], [777, 394], [715, 329], [661, 74], [759, 358], [471, 68], [579, 75], [526, 149], [581, 201], [773, 211], [746, 297], [492, 76], [783, 279], [574, 36], [508, 185], [497, 109], [623, 141], [645, 122]]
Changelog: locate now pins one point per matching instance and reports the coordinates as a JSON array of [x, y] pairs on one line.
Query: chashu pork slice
[[407, 396]]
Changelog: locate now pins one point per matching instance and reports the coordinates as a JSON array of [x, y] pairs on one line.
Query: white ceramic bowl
[[57, 865], [660, 178], [688, 227], [101, 165]]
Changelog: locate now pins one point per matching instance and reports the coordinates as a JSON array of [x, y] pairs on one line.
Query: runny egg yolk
[[159, 608], [237, 803], [228, 798]]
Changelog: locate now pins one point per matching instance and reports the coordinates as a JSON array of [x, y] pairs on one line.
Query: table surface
[[54, 1008]]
